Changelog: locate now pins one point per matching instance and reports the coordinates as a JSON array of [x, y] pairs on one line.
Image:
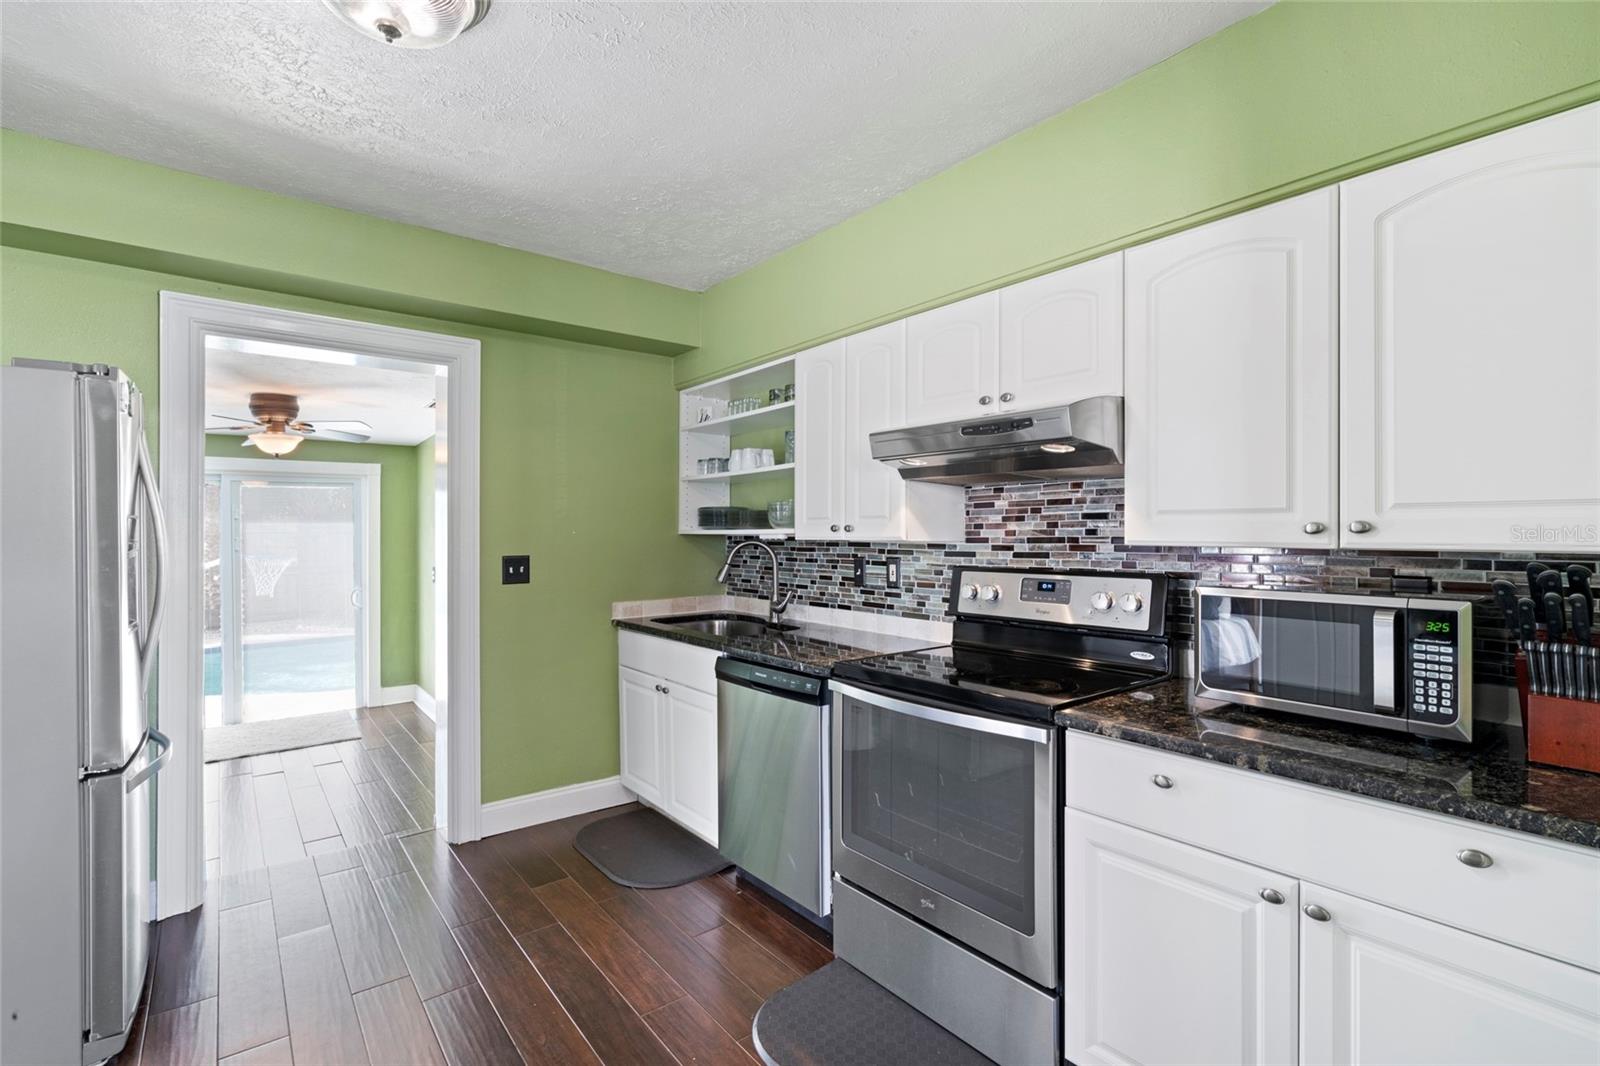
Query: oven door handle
[[977, 723]]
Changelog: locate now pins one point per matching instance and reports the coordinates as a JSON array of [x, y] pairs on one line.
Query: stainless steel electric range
[[947, 794]]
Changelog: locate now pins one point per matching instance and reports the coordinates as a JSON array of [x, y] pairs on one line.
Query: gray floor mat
[[839, 1016], [641, 849]]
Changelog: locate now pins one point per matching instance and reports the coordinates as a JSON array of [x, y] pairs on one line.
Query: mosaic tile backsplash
[[1078, 525]]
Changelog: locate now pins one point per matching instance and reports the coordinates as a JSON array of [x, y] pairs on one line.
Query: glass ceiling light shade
[[411, 23], [275, 442]]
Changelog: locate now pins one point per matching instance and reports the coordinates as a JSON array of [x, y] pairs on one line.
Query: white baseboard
[[535, 808], [405, 694]]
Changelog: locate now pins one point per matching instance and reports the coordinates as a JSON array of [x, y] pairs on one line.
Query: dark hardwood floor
[[337, 930]]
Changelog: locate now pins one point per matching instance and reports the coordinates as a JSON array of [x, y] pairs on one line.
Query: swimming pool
[[300, 664]]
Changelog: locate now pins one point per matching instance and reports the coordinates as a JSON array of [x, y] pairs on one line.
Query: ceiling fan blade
[[334, 434], [233, 429], [351, 426], [233, 418]]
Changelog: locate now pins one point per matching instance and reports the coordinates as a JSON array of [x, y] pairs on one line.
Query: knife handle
[[1527, 620], [1579, 581], [1549, 581], [1534, 570], [1554, 615], [1505, 594], [1582, 620]]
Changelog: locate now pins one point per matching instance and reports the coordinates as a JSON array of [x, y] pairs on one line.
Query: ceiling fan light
[[275, 442], [410, 23]]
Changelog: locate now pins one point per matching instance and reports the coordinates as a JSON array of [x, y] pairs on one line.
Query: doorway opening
[[323, 478]]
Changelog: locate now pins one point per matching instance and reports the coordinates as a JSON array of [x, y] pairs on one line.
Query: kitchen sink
[[725, 625]]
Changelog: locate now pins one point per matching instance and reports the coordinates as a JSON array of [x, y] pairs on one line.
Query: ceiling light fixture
[[275, 442], [411, 23]]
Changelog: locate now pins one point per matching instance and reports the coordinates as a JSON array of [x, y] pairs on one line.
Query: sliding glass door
[[285, 602]]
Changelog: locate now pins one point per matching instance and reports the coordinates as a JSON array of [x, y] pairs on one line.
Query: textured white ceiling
[[680, 142], [332, 387]]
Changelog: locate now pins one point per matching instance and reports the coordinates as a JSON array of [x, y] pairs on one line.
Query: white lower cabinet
[[1176, 949], [1378, 985], [666, 697], [1174, 954]]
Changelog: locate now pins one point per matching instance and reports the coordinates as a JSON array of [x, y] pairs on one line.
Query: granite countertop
[[812, 648], [1489, 781]]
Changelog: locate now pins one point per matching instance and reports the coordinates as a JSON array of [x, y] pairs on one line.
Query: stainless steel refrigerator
[[81, 549]]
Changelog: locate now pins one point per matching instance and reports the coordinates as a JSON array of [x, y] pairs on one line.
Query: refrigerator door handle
[[153, 767], [158, 529]]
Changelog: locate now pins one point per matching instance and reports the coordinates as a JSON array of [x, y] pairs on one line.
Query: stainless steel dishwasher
[[772, 780]]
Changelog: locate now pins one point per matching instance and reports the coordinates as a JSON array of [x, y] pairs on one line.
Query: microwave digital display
[[1440, 626]]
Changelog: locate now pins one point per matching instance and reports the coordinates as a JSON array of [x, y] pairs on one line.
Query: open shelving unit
[[715, 438]]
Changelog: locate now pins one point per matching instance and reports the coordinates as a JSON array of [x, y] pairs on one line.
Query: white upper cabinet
[[1061, 336], [1378, 985], [1174, 954], [952, 354], [1231, 379], [874, 492], [819, 440], [1470, 353]]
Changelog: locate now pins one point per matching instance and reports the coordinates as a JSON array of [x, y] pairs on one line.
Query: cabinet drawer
[[673, 660], [1540, 895]]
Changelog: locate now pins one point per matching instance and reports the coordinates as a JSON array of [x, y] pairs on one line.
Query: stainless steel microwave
[[1402, 663]]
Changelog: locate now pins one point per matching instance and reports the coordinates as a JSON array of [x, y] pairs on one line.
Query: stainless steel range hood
[[1082, 439]]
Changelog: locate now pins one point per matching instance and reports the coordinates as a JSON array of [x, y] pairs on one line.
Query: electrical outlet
[[894, 573], [514, 569]]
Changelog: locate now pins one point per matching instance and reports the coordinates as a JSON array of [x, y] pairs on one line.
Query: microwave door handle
[[1383, 658]]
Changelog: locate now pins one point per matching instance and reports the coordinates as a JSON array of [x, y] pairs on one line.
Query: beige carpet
[[280, 734]]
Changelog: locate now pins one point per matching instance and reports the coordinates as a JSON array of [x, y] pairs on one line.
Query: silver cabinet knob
[[1161, 781], [1272, 895], [1359, 526], [849, 529], [986, 400], [833, 529], [1316, 913], [1314, 528], [1474, 858], [1007, 397], [665, 691], [660, 689]]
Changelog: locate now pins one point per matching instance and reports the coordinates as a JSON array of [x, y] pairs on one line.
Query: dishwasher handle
[[802, 688]]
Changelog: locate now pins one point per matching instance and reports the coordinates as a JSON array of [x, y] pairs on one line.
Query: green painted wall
[[397, 539], [1298, 96], [579, 459], [74, 201], [425, 565]]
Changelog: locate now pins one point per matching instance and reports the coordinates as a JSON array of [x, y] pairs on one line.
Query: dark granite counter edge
[[1371, 786], [722, 644]]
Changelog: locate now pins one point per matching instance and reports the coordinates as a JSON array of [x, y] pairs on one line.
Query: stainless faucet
[[777, 604]]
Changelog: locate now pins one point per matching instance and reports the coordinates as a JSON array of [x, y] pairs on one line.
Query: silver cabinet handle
[[1314, 528], [1359, 526], [833, 529], [849, 529], [985, 400], [1007, 397], [1474, 858], [1161, 781], [1316, 913], [1272, 895]]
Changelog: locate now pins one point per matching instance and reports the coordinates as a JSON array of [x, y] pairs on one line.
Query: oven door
[[950, 816], [1328, 655]]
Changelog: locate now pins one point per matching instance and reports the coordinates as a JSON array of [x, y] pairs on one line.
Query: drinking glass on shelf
[[788, 446]]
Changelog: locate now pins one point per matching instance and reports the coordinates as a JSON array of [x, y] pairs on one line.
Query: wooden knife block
[[1560, 732]]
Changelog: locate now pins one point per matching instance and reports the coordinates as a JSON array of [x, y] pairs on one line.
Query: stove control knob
[[1101, 601], [990, 593], [1131, 602], [969, 592]]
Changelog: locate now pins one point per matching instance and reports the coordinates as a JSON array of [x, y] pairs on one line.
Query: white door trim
[[185, 322], [369, 476]]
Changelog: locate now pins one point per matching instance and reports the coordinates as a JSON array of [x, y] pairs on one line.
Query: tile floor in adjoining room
[[339, 930]]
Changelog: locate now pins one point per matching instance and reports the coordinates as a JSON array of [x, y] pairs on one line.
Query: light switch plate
[[514, 569]]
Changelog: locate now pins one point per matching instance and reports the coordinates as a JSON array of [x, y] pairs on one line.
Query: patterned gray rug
[[280, 734], [641, 849]]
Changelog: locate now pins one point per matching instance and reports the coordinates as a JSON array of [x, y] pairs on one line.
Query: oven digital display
[[1046, 590]]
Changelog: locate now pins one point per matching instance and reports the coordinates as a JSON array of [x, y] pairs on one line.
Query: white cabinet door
[[1381, 986], [874, 398], [1232, 386], [691, 752], [819, 438], [1061, 336], [952, 354], [1172, 953], [1470, 351], [639, 697]]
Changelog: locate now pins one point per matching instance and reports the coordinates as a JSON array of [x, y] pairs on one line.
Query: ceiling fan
[[274, 425]]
